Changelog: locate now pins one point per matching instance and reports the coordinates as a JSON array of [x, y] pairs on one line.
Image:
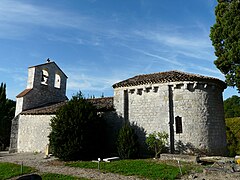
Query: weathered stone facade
[[154, 102], [155, 106], [46, 84], [30, 133]]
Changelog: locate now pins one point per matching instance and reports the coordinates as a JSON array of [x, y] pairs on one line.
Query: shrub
[[233, 135], [127, 142], [76, 130], [231, 142], [156, 142]]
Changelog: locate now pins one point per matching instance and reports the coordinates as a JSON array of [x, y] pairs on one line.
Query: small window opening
[[57, 81], [178, 121], [178, 86], [155, 89], [139, 91], [148, 89], [44, 79], [131, 91]]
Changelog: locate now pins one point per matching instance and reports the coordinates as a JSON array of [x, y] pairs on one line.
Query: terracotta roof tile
[[23, 93], [163, 77], [102, 104], [46, 109]]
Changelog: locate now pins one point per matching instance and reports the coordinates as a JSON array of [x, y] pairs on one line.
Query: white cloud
[[168, 60], [19, 19]]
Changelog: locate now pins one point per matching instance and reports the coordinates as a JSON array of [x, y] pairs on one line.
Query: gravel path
[[51, 165]]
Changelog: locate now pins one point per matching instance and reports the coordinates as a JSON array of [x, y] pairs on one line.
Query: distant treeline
[[7, 110]]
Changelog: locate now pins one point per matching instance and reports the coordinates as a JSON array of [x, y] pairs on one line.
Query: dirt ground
[[219, 172]]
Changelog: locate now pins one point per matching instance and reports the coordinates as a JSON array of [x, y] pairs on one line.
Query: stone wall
[[14, 135], [41, 92], [199, 104], [33, 131]]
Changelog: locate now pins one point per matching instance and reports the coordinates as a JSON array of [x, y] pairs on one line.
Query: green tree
[[232, 143], [232, 107], [233, 135], [225, 37], [127, 142], [156, 142], [77, 129], [7, 110]]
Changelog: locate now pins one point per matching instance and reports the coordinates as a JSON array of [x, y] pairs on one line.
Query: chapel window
[[57, 81], [44, 79]]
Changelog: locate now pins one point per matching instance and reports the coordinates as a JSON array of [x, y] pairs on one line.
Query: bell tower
[[46, 85]]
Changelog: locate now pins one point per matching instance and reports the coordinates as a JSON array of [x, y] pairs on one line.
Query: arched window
[[57, 81], [44, 79]]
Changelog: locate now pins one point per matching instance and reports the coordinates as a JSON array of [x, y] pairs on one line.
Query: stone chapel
[[188, 107]]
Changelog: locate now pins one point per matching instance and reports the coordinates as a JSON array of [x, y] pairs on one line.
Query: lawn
[[50, 176], [147, 168], [9, 170]]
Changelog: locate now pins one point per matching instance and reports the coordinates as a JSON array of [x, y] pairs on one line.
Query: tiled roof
[[102, 104], [163, 77], [46, 109], [23, 93]]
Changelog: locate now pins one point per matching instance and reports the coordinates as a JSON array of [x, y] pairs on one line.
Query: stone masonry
[[46, 84], [32, 133], [154, 102], [188, 107]]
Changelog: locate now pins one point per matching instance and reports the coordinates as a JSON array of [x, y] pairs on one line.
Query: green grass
[[142, 168], [50, 176], [8, 170]]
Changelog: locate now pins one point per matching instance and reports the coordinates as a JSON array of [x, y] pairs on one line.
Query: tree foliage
[[232, 107], [76, 130], [225, 36], [232, 143], [7, 110], [156, 142], [233, 135], [127, 142]]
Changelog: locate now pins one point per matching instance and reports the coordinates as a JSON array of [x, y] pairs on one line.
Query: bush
[[127, 142], [231, 107], [233, 135], [76, 130], [231, 142], [156, 142]]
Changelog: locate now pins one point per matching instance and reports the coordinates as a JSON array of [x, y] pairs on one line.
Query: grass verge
[[142, 168], [50, 176], [8, 170]]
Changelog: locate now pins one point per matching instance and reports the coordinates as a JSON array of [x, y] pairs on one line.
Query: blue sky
[[100, 42]]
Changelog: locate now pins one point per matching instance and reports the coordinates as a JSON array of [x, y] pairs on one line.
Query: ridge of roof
[[102, 104], [167, 76], [51, 62], [46, 109], [23, 93]]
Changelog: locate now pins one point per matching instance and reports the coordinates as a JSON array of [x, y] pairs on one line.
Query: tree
[[156, 142], [76, 130], [225, 37], [127, 142], [7, 110], [232, 143], [232, 107]]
